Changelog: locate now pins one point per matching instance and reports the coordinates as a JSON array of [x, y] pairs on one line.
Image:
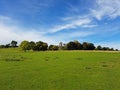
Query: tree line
[[72, 45], [43, 46], [13, 44]]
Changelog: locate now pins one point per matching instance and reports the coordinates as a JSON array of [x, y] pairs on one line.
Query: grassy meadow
[[59, 70]]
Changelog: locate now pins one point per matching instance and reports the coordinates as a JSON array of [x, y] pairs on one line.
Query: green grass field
[[59, 70]]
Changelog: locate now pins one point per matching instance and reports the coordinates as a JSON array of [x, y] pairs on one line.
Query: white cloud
[[109, 8], [89, 26], [72, 24], [11, 31], [79, 34], [100, 9]]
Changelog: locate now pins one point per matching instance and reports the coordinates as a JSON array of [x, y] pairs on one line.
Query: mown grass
[[59, 70]]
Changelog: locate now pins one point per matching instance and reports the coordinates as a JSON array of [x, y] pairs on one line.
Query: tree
[[44, 46], [111, 49], [88, 46], [53, 47], [74, 45], [99, 47], [78, 45], [13, 43], [32, 44], [40, 46], [105, 48], [91, 46], [25, 45], [116, 50], [2, 46], [85, 46], [71, 46], [7, 45]]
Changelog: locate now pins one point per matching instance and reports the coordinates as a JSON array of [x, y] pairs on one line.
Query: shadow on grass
[[78, 58], [50, 58], [12, 58]]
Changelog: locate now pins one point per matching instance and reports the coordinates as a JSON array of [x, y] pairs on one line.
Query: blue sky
[[53, 21]]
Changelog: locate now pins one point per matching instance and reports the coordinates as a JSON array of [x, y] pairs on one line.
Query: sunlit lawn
[[59, 70]]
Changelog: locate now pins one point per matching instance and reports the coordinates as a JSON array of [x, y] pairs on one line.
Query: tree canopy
[[13, 43], [43, 46], [72, 45], [38, 46]]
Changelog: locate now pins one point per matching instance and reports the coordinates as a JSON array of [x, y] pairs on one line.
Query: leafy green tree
[[25, 45], [111, 49], [71, 46], [78, 45], [88, 46], [99, 47], [13, 43], [7, 45], [40, 46], [53, 47], [74, 45], [91, 46], [85, 46], [104, 48], [116, 50], [2, 46], [44, 46], [32, 44]]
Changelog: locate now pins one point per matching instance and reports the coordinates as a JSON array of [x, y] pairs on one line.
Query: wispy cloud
[[72, 24], [100, 10], [74, 19], [79, 34], [10, 31], [89, 26], [109, 8]]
